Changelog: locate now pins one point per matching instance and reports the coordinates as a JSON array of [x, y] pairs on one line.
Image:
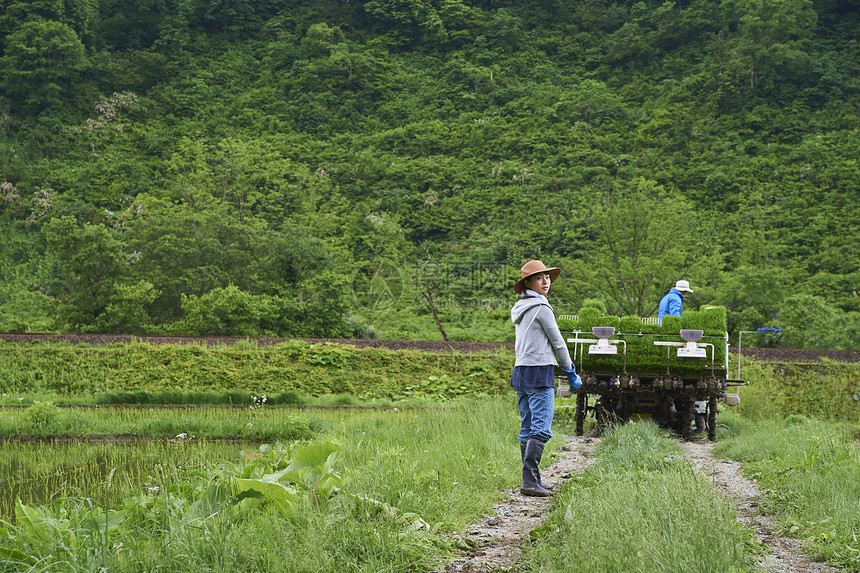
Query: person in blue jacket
[[672, 303], [537, 345]]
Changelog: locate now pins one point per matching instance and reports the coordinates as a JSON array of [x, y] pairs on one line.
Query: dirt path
[[786, 553], [495, 541]]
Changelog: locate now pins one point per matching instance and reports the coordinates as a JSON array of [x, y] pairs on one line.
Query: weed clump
[[41, 419]]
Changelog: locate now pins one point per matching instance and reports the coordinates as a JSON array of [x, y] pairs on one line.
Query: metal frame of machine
[[685, 389]]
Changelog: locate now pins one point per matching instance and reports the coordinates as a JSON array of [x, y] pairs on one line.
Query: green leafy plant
[[273, 482], [283, 483], [41, 418], [334, 355], [42, 536]]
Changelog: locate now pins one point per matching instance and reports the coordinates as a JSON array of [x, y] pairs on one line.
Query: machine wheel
[[579, 416], [684, 422], [712, 418]]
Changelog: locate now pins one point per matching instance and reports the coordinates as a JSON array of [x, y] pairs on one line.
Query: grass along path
[[494, 542], [783, 554]]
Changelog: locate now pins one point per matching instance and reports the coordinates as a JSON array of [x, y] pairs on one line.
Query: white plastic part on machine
[[603, 346], [691, 350]]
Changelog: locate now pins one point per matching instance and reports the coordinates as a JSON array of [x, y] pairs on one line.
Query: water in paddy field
[[41, 473]]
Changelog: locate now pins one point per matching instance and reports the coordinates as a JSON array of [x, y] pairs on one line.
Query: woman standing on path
[[538, 343]]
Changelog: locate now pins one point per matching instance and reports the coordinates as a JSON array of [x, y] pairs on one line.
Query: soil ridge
[[761, 354]]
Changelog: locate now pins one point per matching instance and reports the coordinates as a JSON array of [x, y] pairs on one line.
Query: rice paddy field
[[120, 467]]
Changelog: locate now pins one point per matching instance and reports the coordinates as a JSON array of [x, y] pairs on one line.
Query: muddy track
[[494, 543], [764, 354]]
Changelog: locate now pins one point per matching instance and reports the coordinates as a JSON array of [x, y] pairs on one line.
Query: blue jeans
[[537, 405]]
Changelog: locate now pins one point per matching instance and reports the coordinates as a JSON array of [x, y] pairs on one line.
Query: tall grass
[[293, 367], [810, 470], [342, 539], [252, 422], [447, 464], [826, 390], [410, 475], [41, 473], [640, 507]]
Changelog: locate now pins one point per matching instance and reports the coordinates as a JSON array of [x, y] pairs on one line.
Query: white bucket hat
[[683, 286]]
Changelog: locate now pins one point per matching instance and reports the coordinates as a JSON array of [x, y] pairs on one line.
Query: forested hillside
[[338, 168]]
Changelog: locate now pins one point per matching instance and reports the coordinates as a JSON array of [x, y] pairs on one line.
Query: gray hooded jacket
[[538, 339]]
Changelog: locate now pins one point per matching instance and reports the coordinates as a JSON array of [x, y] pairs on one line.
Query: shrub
[[42, 418], [671, 324], [631, 324], [588, 317], [595, 303]]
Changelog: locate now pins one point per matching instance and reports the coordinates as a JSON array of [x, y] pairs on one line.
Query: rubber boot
[[531, 461], [539, 480]]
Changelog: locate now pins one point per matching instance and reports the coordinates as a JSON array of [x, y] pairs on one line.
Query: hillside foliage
[[384, 167]]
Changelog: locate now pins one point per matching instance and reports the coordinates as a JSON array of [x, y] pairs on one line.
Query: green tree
[[752, 295], [504, 30], [252, 179], [582, 101], [772, 33], [93, 261], [293, 254], [227, 311], [645, 240], [630, 44], [42, 61], [24, 307], [80, 15], [811, 322], [317, 307], [27, 272], [233, 16], [127, 310], [411, 18], [181, 251]]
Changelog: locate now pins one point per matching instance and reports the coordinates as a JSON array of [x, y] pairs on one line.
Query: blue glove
[[572, 378]]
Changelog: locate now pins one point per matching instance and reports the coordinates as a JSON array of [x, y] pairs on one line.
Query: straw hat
[[533, 268], [683, 286]]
